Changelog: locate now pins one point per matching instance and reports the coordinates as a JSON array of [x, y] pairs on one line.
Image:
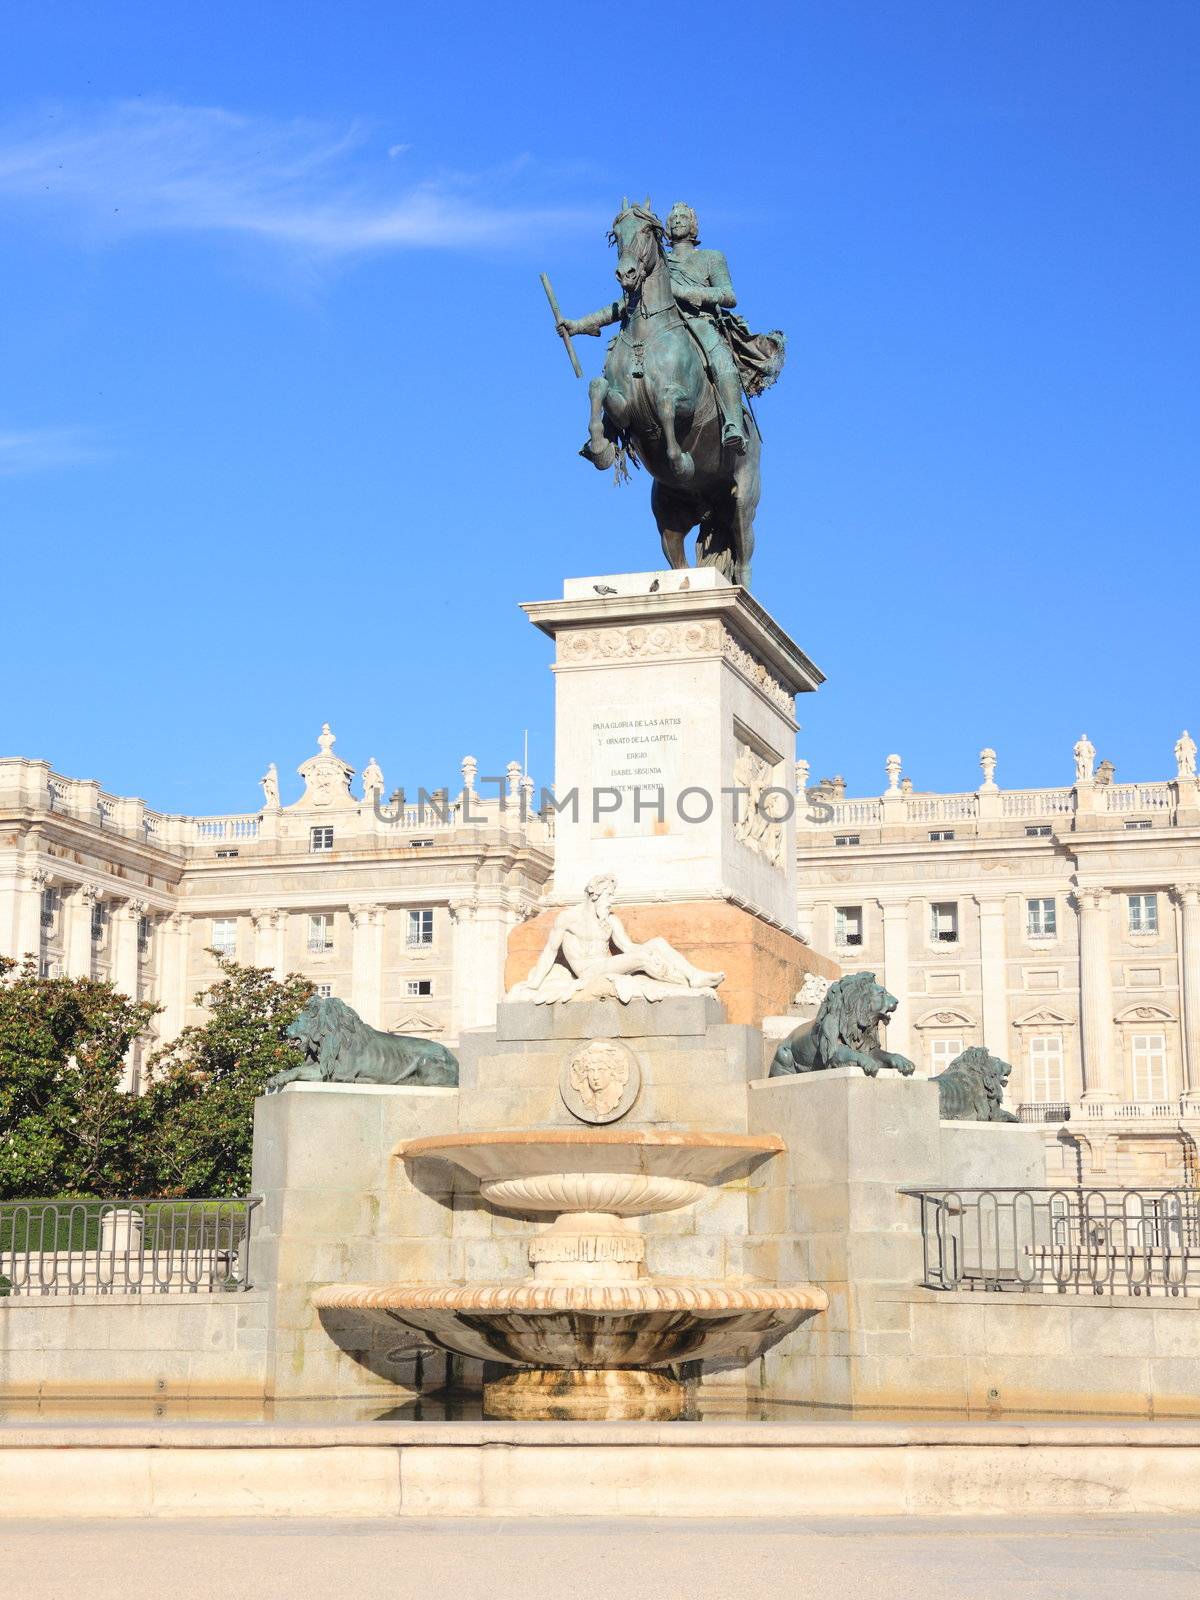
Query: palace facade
[[1059, 926]]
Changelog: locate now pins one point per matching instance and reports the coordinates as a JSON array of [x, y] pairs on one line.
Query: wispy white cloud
[[160, 167], [46, 449]]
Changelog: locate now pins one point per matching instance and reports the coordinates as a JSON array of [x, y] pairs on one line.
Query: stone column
[[173, 975], [125, 946], [895, 973], [29, 913], [125, 975], [992, 975], [77, 943], [1095, 995], [1188, 897], [366, 957]]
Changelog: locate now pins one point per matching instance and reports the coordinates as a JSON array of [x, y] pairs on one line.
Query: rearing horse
[[656, 402]]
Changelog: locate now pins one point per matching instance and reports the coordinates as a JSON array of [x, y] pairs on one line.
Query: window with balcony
[[99, 919], [940, 1053], [143, 939], [320, 839], [944, 923], [420, 929], [847, 838], [1143, 913], [320, 934], [1041, 920], [848, 925], [419, 988], [224, 936], [1038, 830], [1046, 1076], [940, 835], [1148, 1059], [50, 907]]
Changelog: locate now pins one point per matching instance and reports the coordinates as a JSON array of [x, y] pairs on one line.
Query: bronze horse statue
[[657, 405]]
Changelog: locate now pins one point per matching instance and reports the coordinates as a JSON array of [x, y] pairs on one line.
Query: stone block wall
[[340, 1208], [114, 1346]]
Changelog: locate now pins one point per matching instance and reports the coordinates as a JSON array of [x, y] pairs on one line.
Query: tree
[[203, 1085], [66, 1126]]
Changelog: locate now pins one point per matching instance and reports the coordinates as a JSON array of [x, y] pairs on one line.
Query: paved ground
[[1097, 1559]]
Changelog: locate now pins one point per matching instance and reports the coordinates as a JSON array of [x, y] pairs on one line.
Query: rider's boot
[[729, 396]]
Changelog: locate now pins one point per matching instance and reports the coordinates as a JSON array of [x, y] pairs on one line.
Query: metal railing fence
[[89, 1247], [1102, 1241]]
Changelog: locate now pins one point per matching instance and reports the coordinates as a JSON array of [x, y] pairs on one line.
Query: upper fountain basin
[[701, 1158], [595, 1170]]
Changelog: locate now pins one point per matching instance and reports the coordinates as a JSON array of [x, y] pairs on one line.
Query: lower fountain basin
[[640, 1323]]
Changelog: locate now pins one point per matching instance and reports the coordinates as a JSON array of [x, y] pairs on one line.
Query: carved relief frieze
[[588, 646]]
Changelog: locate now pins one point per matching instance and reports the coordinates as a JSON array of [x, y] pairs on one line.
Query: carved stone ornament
[[584, 646], [812, 991], [326, 777], [756, 826], [601, 1081]]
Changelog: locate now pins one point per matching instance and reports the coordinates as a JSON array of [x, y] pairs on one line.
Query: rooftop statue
[[589, 956], [678, 379], [844, 1032]]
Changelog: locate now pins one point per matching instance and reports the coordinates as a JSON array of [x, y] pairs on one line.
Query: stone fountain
[[589, 1333]]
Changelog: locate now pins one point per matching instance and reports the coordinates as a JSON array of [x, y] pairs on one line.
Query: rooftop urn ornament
[[513, 772], [678, 381], [1085, 758], [987, 765], [1185, 756], [892, 766]]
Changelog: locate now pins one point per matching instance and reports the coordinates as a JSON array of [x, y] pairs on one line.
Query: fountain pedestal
[[590, 1330]]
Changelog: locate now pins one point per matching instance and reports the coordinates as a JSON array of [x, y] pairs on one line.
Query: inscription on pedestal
[[636, 763]]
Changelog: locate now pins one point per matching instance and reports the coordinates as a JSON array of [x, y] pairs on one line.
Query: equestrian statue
[[678, 380]]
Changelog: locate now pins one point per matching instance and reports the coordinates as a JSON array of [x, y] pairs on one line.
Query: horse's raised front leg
[[667, 408], [600, 448]]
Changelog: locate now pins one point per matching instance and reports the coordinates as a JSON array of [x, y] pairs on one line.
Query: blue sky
[[285, 434]]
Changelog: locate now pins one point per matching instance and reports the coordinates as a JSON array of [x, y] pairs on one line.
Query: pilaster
[[366, 957], [1188, 896], [992, 974], [1095, 994], [895, 973]]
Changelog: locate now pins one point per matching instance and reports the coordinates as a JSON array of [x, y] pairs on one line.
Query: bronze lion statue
[[844, 1032], [339, 1047], [972, 1087]]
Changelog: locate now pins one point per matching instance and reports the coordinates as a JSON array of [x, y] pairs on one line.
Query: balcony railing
[[1033, 803], [209, 829], [102, 1247], [1044, 1111], [1061, 1241], [1122, 797]]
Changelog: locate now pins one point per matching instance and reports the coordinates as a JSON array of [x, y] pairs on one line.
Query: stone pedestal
[[665, 699], [829, 1211], [339, 1207]]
